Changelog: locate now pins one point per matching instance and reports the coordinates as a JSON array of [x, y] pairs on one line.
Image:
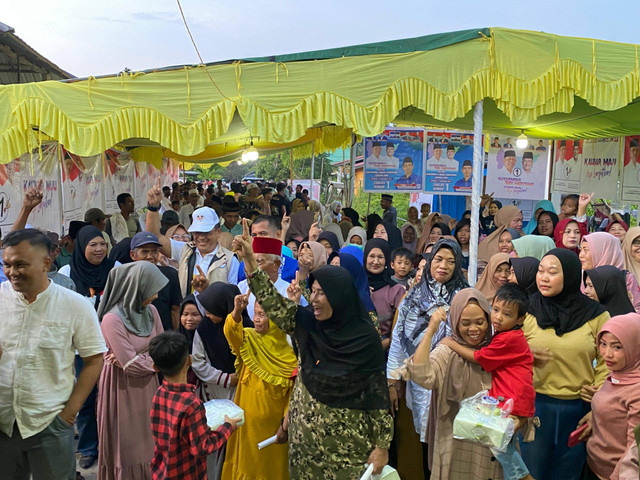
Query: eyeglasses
[[181, 238]]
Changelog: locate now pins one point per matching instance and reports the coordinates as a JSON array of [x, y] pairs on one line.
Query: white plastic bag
[[217, 409], [388, 473], [481, 420]]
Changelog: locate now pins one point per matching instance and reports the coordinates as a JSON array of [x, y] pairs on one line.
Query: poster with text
[[518, 173], [567, 169], [81, 185], [449, 162], [119, 178], [393, 161], [631, 170], [600, 166]]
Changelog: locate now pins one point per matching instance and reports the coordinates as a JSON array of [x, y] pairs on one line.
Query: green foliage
[[235, 171], [400, 201], [209, 172]]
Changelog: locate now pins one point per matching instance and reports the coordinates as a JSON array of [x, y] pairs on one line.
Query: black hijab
[[189, 334], [121, 251], [525, 269], [554, 218], [217, 299], [84, 274], [570, 309], [332, 238], [379, 280], [444, 227], [610, 284], [343, 365], [372, 222], [394, 235], [353, 215]]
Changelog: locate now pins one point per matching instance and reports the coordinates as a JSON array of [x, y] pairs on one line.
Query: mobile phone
[[574, 437]]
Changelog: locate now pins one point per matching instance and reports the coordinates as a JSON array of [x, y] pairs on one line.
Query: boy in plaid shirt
[[178, 419]]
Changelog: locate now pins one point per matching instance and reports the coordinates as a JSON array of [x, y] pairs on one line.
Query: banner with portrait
[[81, 185], [600, 167], [119, 178], [631, 170], [519, 173], [567, 167], [393, 161], [449, 162]]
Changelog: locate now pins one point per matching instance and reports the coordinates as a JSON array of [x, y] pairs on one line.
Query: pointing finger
[[200, 270]]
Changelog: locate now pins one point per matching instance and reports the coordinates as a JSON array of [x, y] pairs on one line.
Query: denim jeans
[[513, 466], [86, 420]]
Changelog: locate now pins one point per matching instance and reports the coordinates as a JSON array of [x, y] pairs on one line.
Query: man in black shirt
[[279, 202], [145, 246]]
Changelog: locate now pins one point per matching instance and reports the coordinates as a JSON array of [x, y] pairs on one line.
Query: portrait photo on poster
[[449, 164], [393, 161]]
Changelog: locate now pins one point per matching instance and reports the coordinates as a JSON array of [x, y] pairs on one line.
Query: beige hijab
[[319, 254], [426, 230], [485, 283], [489, 246], [629, 262]]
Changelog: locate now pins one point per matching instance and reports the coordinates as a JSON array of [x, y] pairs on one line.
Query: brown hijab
[[489, 246], [462, 379], [629, 262], [319, 254], [485, 283], [426, 230]]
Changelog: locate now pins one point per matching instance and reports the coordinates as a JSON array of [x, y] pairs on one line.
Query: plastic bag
[[482, 421], [217, 409], [388, 473]]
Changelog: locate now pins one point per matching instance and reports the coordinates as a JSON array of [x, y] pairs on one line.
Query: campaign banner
[[119, 171], [518, 173], [81, 185], [631, 170], [567, 167], [314, 194], [393, 161], [449, 164], [10, 194], [600, 166]]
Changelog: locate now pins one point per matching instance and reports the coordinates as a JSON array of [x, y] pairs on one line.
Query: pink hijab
[[605, 249], [627, 330]]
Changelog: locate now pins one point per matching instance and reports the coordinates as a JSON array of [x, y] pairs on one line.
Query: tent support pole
[[291, 164], [476, 187], [352, 175], [313, 166]]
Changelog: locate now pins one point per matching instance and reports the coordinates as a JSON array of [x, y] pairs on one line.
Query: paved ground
[[90, 473]]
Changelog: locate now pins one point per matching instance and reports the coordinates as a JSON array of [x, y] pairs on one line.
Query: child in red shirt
[[510, 361], [178, 418]]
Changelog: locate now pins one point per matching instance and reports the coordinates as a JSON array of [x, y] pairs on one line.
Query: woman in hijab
[[487, 218], [601, 248], [121, 251], [547, 222], [410, 236], [631, 249], [607, 284], [335, 229], [451, 379], [301, 221], [534, 246], [356, 236], [441, 280], [340, 386], [353, 216], [90, 266], [507, 217], [495, 275], [329, 241], [360, 280], [614, 408], [568, 234], [372, 222], [312, 256], [294, 246], [355, 251], [265, 382], [385, 293], [562, 324], [213, 360], [505, 242], [541, 206], [297, 206], [523, 273], [413, 217], [390, 233], [333, 212], [618, 228], [463, 236], [190, 318], [427, 225], [128, 381]]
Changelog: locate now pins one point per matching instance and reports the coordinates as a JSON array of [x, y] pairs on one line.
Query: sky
[[104, 37]]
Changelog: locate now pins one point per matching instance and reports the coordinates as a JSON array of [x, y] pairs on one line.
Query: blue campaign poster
[[394, 161], [449, 162]]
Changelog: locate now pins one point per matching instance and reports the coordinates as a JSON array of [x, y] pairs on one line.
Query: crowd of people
[[349, 339]]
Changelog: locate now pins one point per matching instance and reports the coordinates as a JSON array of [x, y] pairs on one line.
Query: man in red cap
[[268, 255]]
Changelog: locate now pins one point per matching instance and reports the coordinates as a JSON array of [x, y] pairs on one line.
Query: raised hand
[[33, 196], [314, 232], [240, 303], [242, 245], [200, 282], [439, 316], [585, 199], [486, 199], [294, 292], [154, 195]]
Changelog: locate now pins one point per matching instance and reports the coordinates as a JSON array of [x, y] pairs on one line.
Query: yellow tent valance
[[528, 76]]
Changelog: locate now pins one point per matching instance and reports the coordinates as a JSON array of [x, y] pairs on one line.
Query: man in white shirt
[[123, 224], [187, 211], [632, 169], [442, 165], [384, 162], [43, 324]]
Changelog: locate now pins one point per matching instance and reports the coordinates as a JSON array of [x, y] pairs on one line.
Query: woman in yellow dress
[[265, 366]]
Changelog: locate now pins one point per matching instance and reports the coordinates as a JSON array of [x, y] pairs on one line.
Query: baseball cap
[[204, 220], [144, 238], [94, 214], [171, 217]]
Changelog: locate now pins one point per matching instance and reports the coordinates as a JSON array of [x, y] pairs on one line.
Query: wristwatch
[[151, 208]]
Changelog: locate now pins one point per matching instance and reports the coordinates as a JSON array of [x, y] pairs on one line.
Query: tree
[[235, 171], [210, 172]]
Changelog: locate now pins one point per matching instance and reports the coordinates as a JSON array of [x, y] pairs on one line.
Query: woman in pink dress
[[128, 381]]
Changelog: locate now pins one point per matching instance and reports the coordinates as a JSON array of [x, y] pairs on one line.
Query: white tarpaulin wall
[[73, 184]]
